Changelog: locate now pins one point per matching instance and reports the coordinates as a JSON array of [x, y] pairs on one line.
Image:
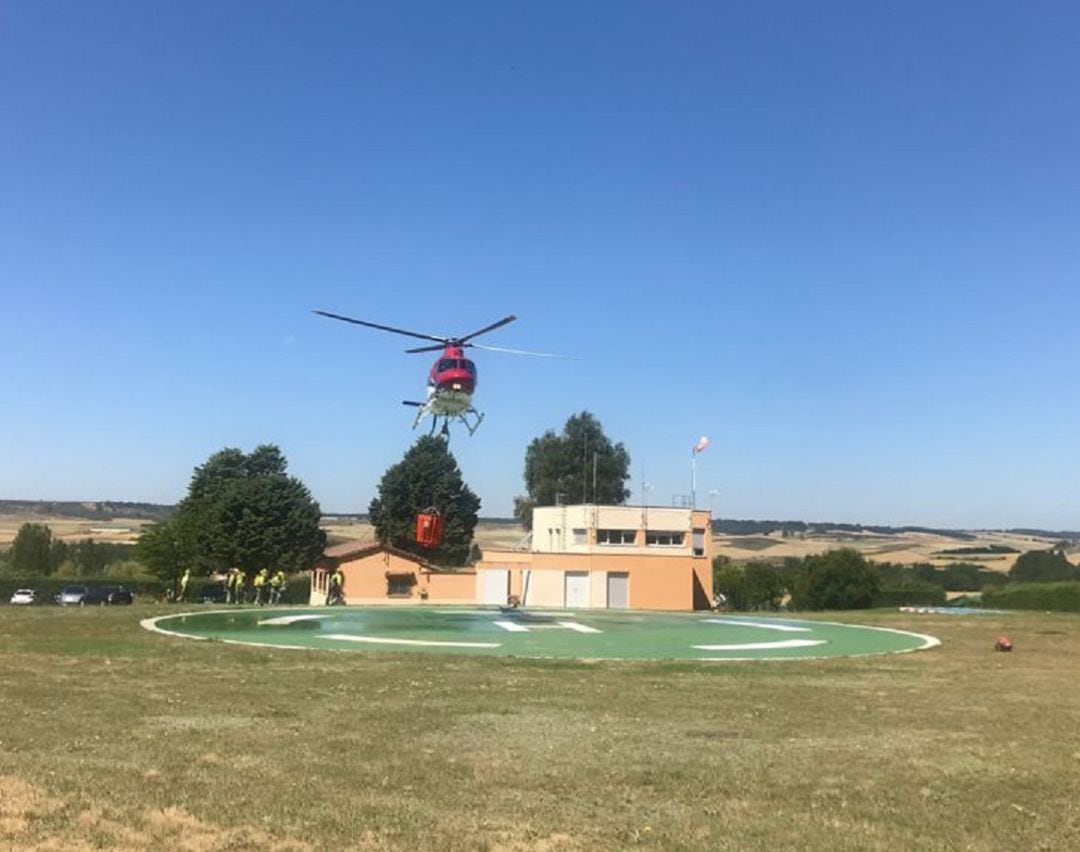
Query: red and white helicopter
[[452, 379]]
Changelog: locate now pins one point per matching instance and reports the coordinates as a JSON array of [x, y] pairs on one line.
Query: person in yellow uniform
[[238, 586], [337, 588], [259, 583], [277, 586], [185, 578]]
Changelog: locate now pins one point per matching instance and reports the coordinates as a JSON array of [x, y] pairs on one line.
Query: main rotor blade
[[486, 329], [520, 351], [417, 334], [438, 348]]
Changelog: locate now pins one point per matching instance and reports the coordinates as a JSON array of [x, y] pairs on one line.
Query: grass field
[[113, 737]]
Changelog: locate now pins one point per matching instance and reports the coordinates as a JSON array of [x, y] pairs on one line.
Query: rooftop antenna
[[646, 487], [585, 471]]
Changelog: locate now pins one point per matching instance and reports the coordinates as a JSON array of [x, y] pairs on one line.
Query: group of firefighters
[[266, 588]]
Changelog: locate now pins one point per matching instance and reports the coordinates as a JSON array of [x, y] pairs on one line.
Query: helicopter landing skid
[[424, 410]]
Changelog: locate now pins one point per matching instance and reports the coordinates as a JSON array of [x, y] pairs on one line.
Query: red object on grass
[[1003, 643]]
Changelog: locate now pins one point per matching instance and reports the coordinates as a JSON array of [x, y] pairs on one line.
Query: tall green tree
[[158, 548], [427, 476], [1043, 566], [748, 587], [31, 550], [242, 510], [580, 464], [838, 579]]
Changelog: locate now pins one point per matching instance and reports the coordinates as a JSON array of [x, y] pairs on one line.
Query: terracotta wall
[[365, 578], [366, 582], [656, 581], [451, 587]]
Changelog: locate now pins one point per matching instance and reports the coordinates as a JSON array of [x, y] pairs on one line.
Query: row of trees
[[844, 579], [35, 552], [244, 510], [580, 462], [839, 579]]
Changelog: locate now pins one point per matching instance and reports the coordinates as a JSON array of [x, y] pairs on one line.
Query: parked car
[[71, 595], [122, 596], [24, 597], [211, 593], [107, 596]]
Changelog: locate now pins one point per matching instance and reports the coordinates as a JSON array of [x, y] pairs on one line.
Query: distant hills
[[732, 526], [107, 510], [94, 510]]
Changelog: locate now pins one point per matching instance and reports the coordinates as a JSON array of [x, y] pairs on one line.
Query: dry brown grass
[[902, 548], [499, 536], [111, 737], [125, 530]]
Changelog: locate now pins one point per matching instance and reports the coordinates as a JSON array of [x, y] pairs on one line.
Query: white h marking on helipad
[[580, 628], [291, 619], [761, 646], [518, 627], [378, 640], [512, 626], [764, 625]]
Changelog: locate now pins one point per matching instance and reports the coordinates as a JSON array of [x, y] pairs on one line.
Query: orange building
[[613, 557], [380, 574], [585, 556]]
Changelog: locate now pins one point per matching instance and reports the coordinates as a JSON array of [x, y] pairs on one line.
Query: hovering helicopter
[[452, 379]]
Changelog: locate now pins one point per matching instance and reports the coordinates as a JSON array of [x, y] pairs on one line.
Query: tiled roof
[[350, 550]]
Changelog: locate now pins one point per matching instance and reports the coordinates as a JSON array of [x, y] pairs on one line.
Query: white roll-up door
[[577, 588], [494, 586]]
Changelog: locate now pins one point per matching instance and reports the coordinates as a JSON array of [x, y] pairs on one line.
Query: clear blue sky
[[840, 239]]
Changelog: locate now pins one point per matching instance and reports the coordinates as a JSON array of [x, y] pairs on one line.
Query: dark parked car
[[211, 593], [107, 596]]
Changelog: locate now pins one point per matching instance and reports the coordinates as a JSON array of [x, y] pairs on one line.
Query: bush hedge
[[911, 593], [297, 590], [1047, 597], [48, 587]]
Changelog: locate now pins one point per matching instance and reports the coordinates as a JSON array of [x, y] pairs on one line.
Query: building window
[[616, 536], [664, 538], [399, 585], [699, 542], [580, 537]]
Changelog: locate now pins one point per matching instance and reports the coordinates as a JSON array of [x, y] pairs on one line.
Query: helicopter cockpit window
[[468, 367], [446, 364]]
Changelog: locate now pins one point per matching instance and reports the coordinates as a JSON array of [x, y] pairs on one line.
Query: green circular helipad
[[582, 634]]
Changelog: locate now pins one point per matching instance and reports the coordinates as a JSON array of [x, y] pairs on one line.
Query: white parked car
[[24, 596]]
